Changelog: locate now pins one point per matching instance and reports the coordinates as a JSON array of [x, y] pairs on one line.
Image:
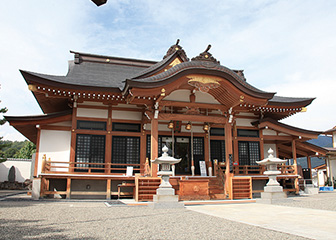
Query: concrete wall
[[22, 169], [56, 146]]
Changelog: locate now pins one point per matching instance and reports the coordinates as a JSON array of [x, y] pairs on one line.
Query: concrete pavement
[[305, 222]]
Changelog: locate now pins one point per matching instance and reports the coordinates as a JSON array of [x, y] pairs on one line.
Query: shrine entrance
[[183, 149]]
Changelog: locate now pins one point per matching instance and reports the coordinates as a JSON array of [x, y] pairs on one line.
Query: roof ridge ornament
[[174, 48], [206, 56]]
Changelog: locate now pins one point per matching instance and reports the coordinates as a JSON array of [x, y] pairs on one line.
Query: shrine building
[[109, 116]]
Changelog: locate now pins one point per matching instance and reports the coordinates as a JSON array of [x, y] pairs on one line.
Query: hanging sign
[[203, 168]]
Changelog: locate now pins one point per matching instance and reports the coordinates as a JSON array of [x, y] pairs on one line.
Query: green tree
[[26, 151], [2, 122]]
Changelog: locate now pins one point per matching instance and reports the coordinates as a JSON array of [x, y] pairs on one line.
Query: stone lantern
[[165, 195], [272, 191]]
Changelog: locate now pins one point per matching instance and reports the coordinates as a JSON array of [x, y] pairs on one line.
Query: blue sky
[[288, 47]]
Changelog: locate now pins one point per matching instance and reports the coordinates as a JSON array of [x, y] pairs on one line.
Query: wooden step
[[241, 187]]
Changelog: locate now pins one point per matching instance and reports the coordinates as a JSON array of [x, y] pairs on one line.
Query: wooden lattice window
[[90, 149], [198, 146], [217, 131], [248, 152], [91, 125], [217, 150], [126, 127], [125, 150], [247, 133]]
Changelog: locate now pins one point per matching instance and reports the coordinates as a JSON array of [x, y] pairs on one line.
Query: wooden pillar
[[207, 148], [228, 146], [143, 149], [68, 188], [108, 189], [262, 145], [73, 137], [108, 142], [295, 166], [235, 144], [309, 162], [37, 151], [154, 145]]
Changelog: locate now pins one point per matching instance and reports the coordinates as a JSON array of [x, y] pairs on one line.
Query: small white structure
[[165, 195], [22, 169], [272, 191]]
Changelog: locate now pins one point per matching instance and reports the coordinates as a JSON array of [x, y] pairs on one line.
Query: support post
[[68, 188], [154, 146], [143, 149], [108, 141], [309, 164], [228, 151], [73, 137], [37, 151], [108, 189], [296, 183]]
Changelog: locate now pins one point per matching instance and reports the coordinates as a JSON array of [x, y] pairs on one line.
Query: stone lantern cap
[[271, 159], [165, 158], [271, 163]]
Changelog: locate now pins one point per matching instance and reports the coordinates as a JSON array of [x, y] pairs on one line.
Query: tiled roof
[[185, 66], [95, 74]]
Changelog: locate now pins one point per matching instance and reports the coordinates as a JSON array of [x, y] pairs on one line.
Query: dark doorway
[[182, 150]]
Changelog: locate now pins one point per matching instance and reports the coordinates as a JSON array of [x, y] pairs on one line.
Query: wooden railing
[[87, 167], [248, 170], [245, 170]]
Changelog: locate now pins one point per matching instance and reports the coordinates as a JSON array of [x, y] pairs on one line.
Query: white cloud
[[284, 46]]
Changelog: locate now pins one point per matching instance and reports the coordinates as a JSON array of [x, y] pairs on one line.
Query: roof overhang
[[28, 125], [300, 133], [53, 96]]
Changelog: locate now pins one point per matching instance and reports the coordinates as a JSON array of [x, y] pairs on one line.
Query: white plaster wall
[[88, 112], [56, 146], [205, 98], [334, 139], [333, 166], [269, 132], [196, 129], [179, 95], [267, 146], [283, 134], [116, 114], [244, 122], [22, 169], [163, 127]]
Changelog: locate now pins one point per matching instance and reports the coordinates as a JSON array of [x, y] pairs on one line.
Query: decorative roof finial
[[174, 48], [208, 48], [206, 56]]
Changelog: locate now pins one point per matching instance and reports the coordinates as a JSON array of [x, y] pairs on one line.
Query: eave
[[195, 67], [269, 123], [54, 96], [27, 125]]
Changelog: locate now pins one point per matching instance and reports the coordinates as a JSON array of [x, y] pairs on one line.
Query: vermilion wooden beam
[[190, 117], [193, 105]]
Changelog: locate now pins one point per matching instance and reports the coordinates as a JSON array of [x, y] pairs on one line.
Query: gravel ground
[[322, 201], [25, 219]]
